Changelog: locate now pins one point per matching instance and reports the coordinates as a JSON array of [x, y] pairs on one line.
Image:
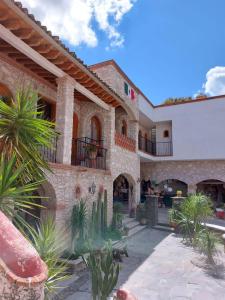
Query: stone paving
[[159, 267]]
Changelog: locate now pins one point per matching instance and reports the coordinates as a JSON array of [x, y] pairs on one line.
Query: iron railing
[[155, 148], [49, 154], [88, 153]]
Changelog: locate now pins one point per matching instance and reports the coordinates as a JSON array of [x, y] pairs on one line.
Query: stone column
[[192, 188], [152, 210], [64, 119]]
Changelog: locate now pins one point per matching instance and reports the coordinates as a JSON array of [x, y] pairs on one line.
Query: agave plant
[[104, 272], [49, 244], [23, 132]]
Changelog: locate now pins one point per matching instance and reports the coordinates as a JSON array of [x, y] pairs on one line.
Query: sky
[[168, 48]]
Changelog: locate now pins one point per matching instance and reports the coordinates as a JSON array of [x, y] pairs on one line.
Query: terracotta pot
[[220, 214], [92, 154]]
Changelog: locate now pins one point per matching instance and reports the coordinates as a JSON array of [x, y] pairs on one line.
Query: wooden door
[[75, 136]]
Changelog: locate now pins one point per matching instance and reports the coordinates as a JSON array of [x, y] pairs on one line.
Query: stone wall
[[14, 76], [190, 172]]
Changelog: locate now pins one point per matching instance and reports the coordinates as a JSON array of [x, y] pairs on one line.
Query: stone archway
[[45, 199], [124, 191], [214, 189]]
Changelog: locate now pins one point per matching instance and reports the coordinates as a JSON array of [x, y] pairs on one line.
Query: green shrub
[[206, 242]]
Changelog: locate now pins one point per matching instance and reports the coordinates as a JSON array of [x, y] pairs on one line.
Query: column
[[64, 119], [152, 210], [192, 188]]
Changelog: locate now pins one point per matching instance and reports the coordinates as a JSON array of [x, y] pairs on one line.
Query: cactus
[[104, 272], [99, 214], [93, 221], [105, 209]]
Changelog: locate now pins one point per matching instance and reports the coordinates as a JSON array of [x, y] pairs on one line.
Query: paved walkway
[[160, 268]]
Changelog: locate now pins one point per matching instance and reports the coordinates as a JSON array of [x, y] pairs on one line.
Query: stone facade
[[190, 172]]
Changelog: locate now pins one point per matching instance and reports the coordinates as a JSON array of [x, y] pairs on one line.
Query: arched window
[[5, 94], [124, 128], [166, 134], [96, 131]]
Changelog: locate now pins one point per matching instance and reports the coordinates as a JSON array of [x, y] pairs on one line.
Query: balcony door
[[96, 132], [75, 136]]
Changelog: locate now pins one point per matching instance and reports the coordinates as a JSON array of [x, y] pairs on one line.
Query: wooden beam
[[11, 24], [10, 38], [43, 48], [23, 33], [34, 41], [3, 15], [52, 54], [80, 88]]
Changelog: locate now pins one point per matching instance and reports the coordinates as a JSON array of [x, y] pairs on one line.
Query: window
[[96, 132], [124, 128], [5, 94], [166, 134]]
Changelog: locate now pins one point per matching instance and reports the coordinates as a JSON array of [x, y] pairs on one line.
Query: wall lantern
[[92, 189], [138, 180]]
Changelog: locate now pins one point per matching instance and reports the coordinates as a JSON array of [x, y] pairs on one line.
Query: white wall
[[198, 128]]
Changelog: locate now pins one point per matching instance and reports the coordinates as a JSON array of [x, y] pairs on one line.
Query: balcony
[[49, 154], [125, 142], [155, 148], [88, 153]]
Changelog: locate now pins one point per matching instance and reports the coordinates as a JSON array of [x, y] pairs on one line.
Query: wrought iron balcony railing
[[155, 148], [88, 153], [49, 154]]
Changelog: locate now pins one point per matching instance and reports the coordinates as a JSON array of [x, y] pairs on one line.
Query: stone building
[[111, 136]]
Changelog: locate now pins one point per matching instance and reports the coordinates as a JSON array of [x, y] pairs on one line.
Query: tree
[[172, 100]]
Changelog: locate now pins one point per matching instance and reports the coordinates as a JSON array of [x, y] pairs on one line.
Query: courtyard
[[159, 267]]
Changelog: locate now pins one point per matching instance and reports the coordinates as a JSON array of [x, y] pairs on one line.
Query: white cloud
[[72, 20], [215, 81]]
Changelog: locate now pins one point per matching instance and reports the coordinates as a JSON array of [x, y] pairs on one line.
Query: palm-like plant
[[49, 244], [206, 242], [193, 214], [23, 132], [15, 197]]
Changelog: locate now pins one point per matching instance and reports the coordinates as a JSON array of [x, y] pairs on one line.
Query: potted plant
[[92, 151], [179, 193], [220, 213]]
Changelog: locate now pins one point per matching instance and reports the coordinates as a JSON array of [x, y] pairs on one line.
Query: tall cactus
[[104, 272], [99, 214], [93, 221], [105, 208]]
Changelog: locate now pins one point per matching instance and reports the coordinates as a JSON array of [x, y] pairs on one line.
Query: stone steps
[[163, 228]]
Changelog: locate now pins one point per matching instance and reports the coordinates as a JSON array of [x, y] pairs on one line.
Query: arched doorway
[[215, 190], [96, 130], [124, 191], [75, 136], [45, 199], [167, 189]]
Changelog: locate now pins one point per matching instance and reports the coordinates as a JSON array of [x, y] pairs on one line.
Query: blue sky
[[169, 46]]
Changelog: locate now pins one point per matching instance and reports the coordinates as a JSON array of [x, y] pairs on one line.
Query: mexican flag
[[129, 91]]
